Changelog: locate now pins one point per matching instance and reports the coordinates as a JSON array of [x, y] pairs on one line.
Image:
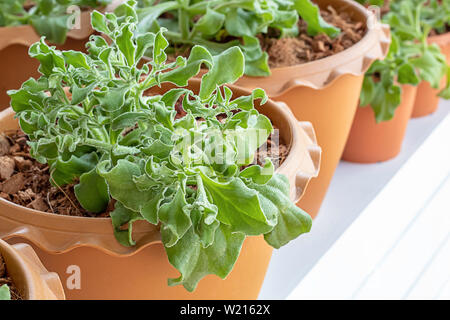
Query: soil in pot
[[326, 91], [427, 99], [6, 279], [287, 52], [320, 78]]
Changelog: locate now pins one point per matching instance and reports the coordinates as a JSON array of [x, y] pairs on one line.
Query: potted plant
[[312, 57], [385, 107], [22, 22], [390, 88], [23, 277], [166, 157], [437, 15], [431, 18]]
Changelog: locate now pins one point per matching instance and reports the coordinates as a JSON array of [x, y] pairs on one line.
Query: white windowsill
[[393, 223]]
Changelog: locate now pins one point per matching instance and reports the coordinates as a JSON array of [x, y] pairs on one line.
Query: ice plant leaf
[[92, 192], [223, 71], [194, 262], [126, 45], [220, 25], [122, 221], [310, 13], [122, 186], [5, 294]]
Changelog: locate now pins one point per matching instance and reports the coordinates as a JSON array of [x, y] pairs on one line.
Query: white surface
[[383, 253], [352, 189]]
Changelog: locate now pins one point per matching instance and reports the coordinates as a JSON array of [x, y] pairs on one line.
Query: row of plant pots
[[373, 141], [324, 93]]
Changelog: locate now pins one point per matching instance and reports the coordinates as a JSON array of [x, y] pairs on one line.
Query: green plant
[[410, 60], [48, 17], [219, 25], [185, 174], [5, 294], [436, 14]]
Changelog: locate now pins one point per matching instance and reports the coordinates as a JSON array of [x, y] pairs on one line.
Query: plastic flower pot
[[370, 141], [29, 275], [17, 64], [427, 99], [108, 270], [326, 92]]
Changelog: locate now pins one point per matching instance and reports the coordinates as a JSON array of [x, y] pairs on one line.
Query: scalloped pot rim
[[97, 233], [322, 73]]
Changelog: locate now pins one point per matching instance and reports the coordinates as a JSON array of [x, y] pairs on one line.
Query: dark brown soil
[[275, 151], [26, 182], [292, 51], [284, 52], [5, 279]]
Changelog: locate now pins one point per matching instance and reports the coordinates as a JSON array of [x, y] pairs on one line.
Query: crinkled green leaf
[[195, 262], [92, 192], [310, 13], [175, 219], [5, 294], [126, 44], [65, 172], [122, 186], [122, 220], [227, 68]]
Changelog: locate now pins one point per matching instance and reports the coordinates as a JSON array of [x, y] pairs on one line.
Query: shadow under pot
[[427, 99], [16, 64], [27, 277], [371, 142], [326, 92], [93, 265]]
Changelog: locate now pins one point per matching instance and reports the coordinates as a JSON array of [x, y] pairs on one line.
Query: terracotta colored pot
[[29, 275], [443, 41], [370, 141], [16, 64], [326, 92], [111, 271], [427, 99]]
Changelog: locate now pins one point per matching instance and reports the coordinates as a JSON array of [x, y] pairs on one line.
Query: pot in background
[[325, 92], [111, 271], [371, 142], [427, 99], [17, 66], [29, 275]]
